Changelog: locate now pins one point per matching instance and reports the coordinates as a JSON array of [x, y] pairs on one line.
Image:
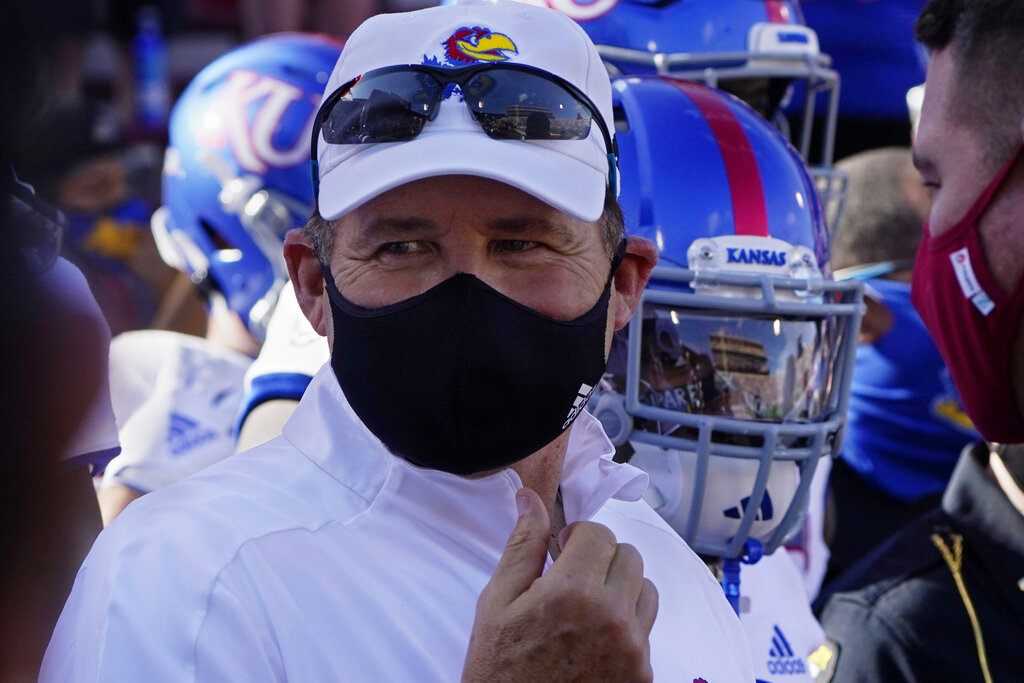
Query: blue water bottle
[[152, 87]]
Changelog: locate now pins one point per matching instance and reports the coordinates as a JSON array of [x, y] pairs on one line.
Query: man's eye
[[400, 248], [515, 245]]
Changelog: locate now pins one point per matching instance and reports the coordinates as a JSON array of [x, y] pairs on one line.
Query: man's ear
[[306, 277], [631, 277]]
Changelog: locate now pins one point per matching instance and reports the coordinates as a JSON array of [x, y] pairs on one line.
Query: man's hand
[[588, 618]]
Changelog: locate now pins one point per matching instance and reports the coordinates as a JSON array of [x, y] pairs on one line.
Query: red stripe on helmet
[[778, 12], [750, 215]]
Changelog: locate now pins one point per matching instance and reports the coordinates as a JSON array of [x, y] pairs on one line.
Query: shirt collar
[[326, 429], [589, 476]]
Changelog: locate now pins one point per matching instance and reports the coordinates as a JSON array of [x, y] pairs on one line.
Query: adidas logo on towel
[[184, 434], [781, 657]]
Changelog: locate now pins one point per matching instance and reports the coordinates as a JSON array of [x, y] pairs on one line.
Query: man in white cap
[[439, 504]]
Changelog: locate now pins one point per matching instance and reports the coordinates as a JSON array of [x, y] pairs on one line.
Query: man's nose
[[469, 256]]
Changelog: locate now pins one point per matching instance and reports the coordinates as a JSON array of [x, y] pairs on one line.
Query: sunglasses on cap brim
[[509, 101]]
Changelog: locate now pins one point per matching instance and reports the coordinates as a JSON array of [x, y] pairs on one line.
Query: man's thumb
[[525, 553]]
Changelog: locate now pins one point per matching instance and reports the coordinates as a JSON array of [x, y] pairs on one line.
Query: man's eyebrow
[[531, 226], [388, 229]]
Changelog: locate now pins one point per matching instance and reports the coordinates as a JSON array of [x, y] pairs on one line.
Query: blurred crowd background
[[88, 88], [100, 78], [111, 69]]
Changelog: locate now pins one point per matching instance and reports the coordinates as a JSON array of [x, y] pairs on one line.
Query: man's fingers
[[626, 572], [523, 560], [586, 547], [647, 605]]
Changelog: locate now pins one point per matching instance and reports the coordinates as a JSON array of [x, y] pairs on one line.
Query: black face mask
[[463, 379]]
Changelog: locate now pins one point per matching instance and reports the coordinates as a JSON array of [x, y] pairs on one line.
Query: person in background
[[942, 600], [235, 181], [56, 422], [107, 187], [440, 496], [907, 425], [58, 428], [729, 387]]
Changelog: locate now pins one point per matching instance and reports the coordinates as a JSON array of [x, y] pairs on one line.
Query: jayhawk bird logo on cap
[[477, 44]]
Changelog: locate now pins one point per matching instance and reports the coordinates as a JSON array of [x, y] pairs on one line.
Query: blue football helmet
[[732, 379], [760, 50], [236, 170]]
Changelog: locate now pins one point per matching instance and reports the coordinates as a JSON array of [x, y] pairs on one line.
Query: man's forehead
[[951, 99], [939, 82], [936, 121]]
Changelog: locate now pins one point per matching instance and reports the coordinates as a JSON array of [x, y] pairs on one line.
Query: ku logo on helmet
[[477, 44], [252, 137]]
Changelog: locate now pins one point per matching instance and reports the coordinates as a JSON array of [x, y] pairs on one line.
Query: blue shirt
[[906, 423]]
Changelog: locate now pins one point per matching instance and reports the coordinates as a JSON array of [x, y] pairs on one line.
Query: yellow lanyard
[[954, 560]]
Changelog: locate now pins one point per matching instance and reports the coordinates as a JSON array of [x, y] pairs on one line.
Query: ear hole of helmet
[[204, 281], [217, 239], [620, 120]]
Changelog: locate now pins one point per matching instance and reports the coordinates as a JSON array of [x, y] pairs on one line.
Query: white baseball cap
[[570, 175]]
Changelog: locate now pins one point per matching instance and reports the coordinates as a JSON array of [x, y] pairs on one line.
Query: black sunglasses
[[509, 101]]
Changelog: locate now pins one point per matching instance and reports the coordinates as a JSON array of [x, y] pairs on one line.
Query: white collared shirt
[[320, 556]]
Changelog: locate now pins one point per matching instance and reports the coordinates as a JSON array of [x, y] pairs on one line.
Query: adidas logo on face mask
[[582, 396]]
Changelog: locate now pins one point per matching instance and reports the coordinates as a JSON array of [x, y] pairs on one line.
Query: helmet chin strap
[[753, 551]]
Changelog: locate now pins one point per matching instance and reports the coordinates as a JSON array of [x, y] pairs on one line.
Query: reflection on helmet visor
[[754, 368]]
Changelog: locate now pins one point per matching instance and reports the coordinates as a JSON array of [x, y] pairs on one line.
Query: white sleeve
[[292, 353], [147, 605]]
